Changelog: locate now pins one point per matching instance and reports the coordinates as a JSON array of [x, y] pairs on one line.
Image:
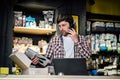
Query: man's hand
[[35, 60], [73, 35]]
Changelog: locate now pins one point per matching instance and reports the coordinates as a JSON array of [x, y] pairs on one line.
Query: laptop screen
[[70, 66]]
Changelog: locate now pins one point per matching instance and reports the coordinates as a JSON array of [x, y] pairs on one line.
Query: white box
[[36, 71]]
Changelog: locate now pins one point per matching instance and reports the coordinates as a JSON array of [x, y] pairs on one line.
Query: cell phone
[[72, 26]]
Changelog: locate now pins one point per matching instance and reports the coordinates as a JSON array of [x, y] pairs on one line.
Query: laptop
[[70, 66]]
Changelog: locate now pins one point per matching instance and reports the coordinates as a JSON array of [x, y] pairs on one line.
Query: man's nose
[[61, 28]]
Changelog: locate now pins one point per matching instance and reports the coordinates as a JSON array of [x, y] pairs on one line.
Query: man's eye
[[63, 25], [59, 26]]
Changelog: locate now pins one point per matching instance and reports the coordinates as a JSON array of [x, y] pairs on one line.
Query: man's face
[[63, 27]]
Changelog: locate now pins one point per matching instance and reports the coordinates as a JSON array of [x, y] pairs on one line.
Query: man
[[68, 44]]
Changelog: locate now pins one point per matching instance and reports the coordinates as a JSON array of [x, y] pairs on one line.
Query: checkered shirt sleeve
[[82, 49], [55, 48]]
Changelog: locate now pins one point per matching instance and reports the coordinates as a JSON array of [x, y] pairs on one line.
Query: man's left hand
[[73, 35]]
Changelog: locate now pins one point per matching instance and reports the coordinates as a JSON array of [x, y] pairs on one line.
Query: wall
[[108, 7], [6, 33]]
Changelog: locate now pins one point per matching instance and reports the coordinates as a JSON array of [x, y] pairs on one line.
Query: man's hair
[[65, 17]]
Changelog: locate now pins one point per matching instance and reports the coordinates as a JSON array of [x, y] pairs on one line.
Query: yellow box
[[4, 70]]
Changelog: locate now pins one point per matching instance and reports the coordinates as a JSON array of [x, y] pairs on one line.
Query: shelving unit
[[31, 24], [104, 52], [106, 19], [35, 31], [34, 9], [103, 29]]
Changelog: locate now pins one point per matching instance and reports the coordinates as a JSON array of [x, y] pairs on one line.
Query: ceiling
[[40, 4]]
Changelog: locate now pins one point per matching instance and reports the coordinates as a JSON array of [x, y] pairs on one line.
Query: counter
[[54, 77]]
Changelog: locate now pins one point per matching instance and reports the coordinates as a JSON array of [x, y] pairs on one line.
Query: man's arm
[[49, 51], [82, 48]]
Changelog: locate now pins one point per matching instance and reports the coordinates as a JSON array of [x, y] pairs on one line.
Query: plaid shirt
[[56, 49]]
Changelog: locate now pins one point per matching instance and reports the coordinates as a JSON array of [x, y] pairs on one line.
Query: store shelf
[[103, 20], [36, 31], [100, 29]]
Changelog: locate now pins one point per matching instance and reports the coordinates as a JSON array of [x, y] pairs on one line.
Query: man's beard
[[64, 33]]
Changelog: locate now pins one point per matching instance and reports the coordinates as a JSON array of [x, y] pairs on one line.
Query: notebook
[[70, 66]]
